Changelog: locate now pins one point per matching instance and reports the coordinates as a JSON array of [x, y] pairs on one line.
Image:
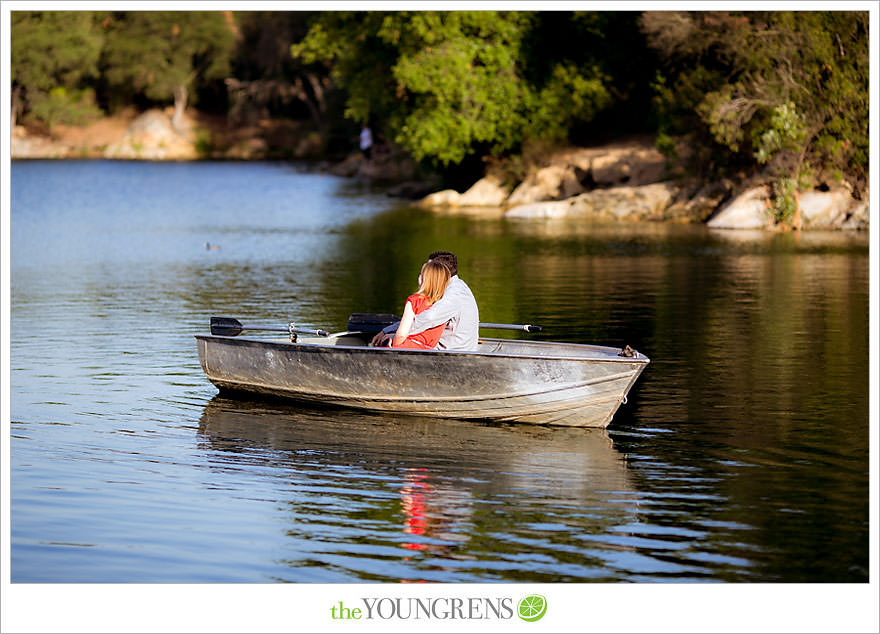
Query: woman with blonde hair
[[433, 280]]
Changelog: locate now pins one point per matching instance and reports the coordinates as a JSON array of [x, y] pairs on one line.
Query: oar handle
[[305, 331], [525, 327]]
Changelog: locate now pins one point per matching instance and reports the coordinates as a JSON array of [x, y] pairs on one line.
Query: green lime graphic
[[532, 608]]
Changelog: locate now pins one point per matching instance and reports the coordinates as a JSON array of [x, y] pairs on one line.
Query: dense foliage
[[54, 55], [778, 96], [452, 83], [783, 94], [162, 54]]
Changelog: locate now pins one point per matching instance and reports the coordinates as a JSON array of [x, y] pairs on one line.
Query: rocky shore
[[633, 181], [625, 181]]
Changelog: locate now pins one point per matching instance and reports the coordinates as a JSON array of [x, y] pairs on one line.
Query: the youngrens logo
[[530, 608]]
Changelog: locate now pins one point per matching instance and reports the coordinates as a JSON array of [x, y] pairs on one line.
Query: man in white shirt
[[457, 309], [366, 142]]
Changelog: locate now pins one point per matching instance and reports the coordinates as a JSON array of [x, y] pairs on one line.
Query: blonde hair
[[435, 279]]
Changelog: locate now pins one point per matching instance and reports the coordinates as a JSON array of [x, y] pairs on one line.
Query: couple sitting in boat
[[441, 315]]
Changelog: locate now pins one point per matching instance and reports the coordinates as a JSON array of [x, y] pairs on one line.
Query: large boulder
[[550, 183], [543, 209], [825, 210], [151, 136], [443, 198], [617, 203], [573, 172], [749, 210], [631, 165], [153, 125], [857, 215], [486, 192]]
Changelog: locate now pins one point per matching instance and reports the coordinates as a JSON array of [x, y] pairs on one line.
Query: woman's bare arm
[[405, 325]]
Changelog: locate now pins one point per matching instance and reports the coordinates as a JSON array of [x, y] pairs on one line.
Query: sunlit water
[[741, 456]]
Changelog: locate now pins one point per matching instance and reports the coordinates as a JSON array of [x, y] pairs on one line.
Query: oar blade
[[225, 326]]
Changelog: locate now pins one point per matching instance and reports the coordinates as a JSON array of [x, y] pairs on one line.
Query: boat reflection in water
[[380, 497], [433, 513]]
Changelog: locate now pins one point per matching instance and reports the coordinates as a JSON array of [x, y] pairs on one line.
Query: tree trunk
[[180, 95], [314, 108], [16, 106], [318, 91]]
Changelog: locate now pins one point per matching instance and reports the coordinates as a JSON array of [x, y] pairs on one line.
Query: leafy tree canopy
[[783, 90], [52, 54], [162, 53], [446, 84]]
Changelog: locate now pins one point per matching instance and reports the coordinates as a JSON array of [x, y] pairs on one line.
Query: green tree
[[163, 54], [784, 94], [450, 84], [53, 55], [457, 73]]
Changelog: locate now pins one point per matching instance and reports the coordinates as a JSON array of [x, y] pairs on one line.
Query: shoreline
[[621, 181]]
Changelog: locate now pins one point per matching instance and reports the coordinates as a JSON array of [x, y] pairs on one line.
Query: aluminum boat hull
[[503, 380]]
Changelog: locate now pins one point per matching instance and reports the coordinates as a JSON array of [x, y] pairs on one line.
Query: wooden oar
[[229, 327]]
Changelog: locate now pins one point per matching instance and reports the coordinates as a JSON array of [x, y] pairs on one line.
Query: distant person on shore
[[433, 280], [456, 311], [366, 142]]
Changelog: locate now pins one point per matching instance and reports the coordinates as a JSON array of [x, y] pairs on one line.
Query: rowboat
[[503, 380]]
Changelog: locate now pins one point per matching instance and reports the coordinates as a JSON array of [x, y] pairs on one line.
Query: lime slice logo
[[532, 608]]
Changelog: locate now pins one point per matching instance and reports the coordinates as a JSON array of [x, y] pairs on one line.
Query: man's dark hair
[[447, 259]]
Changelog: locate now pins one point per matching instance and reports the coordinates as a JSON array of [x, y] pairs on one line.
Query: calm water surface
[[742, 455]]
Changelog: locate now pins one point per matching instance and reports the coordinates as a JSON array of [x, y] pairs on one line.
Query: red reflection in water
[[414, 495]]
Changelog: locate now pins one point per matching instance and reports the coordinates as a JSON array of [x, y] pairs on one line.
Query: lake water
[[741, 456]]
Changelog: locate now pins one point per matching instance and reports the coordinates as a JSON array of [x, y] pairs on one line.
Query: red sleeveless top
[[427, 339]]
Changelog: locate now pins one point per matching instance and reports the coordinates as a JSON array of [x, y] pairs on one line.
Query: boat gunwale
[[317, 345]]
